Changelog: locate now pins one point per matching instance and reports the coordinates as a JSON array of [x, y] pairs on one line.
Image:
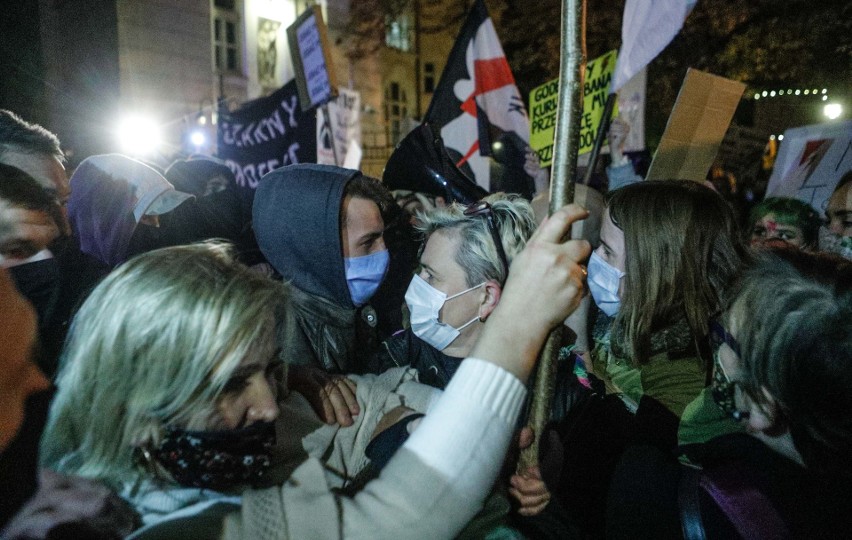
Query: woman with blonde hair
[[172, 393], [464, 263]]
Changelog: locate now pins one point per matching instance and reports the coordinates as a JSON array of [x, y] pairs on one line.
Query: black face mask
[[218, 460], [19, 462]]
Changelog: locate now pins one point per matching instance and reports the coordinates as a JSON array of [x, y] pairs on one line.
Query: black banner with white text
[[265, 134]]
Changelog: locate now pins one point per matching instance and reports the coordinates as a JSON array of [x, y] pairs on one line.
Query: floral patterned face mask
[[217, 460], [834, 243]]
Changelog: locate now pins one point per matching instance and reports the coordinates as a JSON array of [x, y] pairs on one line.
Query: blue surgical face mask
[[604, 281], [365, 274]]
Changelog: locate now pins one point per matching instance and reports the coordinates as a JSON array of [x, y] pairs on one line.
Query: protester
[[403, 244], [215, 212], [415, 202], [668, 248], [786, 220], [321, 228], [620, 172], [461, 277], [836, 237], [199, 176], [63, 507], [791, 475], [179, 345], [32, 221], [112, 195], [48, 276], [37, 152], [29, 217]]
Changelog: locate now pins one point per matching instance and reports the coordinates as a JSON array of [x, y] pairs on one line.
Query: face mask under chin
[[217, 460]]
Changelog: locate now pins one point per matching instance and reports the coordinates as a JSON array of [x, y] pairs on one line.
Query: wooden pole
[[572, 71]]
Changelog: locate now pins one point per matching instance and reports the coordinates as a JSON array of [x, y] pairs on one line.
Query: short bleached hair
[[477, 254], [153, 346]]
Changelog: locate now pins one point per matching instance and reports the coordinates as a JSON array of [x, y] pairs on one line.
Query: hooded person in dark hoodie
[[216, 212], [321, 228], [115, 195]]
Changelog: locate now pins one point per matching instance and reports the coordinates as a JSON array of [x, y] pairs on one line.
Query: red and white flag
[[481, 114]]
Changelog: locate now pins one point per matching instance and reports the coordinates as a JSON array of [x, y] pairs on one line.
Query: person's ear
[[493, 290], [764, 414]]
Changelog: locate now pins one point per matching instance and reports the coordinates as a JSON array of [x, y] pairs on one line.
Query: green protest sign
[[544, 101]]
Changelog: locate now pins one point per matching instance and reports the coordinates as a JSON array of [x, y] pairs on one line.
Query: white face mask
[[425, 302], [604, 281]]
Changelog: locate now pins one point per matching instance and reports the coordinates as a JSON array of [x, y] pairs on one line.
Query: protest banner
[[699, 120], [543, 104], [343, 125], [810, 162], [265, 134], [311, 55]]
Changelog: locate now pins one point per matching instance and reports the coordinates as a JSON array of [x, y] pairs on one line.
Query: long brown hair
[[683, 247]]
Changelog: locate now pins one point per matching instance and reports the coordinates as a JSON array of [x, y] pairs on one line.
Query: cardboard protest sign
[[544, 102], [699, 120], [265, 134], [811, 161], [343, 125]]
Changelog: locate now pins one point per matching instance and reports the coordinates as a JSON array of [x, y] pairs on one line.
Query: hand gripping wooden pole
[[572, 71]]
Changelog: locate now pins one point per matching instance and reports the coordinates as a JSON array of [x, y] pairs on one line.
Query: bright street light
[[138, 135], [832, 111], [197, 138]]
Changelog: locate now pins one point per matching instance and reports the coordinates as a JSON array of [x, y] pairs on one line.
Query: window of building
[[398, 32], [396, 110], [226, 36], [428, 77]]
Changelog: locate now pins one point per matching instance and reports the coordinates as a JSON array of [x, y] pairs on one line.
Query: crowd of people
[[340, 361]]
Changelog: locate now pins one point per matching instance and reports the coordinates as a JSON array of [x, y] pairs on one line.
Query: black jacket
[[405, 349]]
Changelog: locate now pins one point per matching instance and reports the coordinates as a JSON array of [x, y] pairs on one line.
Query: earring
[[144, 460]]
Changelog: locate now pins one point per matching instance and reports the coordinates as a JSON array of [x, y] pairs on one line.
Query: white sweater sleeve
[[441, 476], [478, 411], [431, 487]]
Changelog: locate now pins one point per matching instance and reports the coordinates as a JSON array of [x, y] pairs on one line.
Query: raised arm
[[439, 479]]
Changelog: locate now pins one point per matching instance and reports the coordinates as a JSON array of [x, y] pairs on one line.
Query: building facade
[[170, 61]]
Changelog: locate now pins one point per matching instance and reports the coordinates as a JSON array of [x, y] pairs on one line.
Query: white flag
[[648, 26]]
